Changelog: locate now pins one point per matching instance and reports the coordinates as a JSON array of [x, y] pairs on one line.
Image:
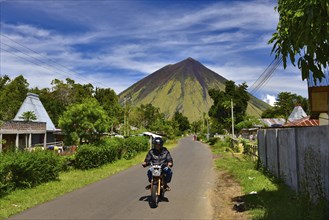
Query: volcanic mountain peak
[[182, 86]]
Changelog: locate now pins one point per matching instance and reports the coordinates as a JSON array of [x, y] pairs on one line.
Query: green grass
[[20, 200], [273, 199]]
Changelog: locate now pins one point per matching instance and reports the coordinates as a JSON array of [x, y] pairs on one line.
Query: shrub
[[109, 150], [27, 169], [67, 162], [32, 168], [134, 145]]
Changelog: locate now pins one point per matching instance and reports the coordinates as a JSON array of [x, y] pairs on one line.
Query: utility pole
[[124, 116], [207, 130], [232, 118]]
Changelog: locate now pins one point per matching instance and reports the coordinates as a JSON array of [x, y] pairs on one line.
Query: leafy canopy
[[28, 116], [285, 104], [12, 95], [181, 122], [108, 99], [220, 111], [61, 95], [84, 122], [303, 31]]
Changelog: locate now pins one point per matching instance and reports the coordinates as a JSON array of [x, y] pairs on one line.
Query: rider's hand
[[170, 164], [144, 164]]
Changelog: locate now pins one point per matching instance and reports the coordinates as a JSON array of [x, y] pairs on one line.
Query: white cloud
[[139, 38], [270, 99]]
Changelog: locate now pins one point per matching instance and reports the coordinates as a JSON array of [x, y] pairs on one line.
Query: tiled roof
[[303, 122]]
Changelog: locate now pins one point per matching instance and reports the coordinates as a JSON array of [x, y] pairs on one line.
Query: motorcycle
[[157, 183]]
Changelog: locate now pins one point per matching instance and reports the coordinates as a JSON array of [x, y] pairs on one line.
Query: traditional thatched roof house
[[33, 103], [26, 134]]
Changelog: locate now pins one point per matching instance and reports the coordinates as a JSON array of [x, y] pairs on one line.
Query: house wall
[[21, 134], [300, 156], [23, 126]]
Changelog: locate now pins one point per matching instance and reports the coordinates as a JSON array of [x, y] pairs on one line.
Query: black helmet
[[158, 140]]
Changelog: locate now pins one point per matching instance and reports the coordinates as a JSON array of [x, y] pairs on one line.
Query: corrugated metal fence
[[300, 156]]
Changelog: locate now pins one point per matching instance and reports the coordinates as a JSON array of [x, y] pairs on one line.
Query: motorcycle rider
[[159, 155]]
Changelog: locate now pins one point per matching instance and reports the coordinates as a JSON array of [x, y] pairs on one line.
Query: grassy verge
[[20, 200], [266, 197]]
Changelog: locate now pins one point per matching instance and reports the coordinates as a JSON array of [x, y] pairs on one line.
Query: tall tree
[[285, 104], [85, 121], [182, 122], [220, 111], [70, 92], [148, 114], [303, 31], [110, 102], [12, 96], [3, 81], [52, 105], [28, 116], [61, 95]]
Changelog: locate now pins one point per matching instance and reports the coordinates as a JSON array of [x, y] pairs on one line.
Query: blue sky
[[113, 44]]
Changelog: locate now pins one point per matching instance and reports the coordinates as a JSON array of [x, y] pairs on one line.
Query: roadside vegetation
[[24, 197], [264, 196]]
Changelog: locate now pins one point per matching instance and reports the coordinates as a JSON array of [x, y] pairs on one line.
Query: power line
[[35, 52], [262, 75], [41, 61], [24, 58], [265, 76]]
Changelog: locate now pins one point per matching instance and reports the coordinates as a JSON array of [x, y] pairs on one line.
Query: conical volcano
[[180, 87]]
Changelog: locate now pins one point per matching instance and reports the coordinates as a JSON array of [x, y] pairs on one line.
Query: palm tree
[[28, 116]]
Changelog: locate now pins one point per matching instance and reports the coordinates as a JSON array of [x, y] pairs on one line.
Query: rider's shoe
[[148, 187], [166, 188]]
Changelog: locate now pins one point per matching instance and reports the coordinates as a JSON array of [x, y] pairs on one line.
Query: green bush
[[87, 157], [213, 140], [67, 162], [115, 143], [109, 150], [5, 175], [134, 145], [27, 169]]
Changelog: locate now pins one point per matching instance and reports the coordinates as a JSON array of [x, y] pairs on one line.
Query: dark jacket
[[156, 157]]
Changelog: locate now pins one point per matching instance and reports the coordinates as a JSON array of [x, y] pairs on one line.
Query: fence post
[[297, 160], [277, 150], [262, 149]]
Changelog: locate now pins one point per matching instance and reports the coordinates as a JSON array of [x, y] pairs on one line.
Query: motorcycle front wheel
[[154, 194]]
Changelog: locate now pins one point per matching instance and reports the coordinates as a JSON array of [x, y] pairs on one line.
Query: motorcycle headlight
[[156, 173]]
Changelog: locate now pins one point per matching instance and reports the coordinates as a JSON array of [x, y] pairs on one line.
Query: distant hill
[[184, 87]]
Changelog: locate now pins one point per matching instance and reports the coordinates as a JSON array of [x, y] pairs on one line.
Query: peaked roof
[[297, 114], [33, 103]]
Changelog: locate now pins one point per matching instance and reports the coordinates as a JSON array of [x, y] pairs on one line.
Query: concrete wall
[[300, 156], [262, 146], [272, 151], [288, 164]]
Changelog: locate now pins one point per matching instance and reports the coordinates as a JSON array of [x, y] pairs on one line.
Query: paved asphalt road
[[122, 196]]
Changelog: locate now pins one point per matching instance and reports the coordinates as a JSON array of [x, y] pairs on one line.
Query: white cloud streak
[[123, 41]]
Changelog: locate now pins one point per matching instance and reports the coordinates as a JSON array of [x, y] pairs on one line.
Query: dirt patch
[[226, 198]]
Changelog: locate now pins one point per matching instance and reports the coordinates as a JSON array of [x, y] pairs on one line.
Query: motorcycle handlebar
[[163, 165]]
